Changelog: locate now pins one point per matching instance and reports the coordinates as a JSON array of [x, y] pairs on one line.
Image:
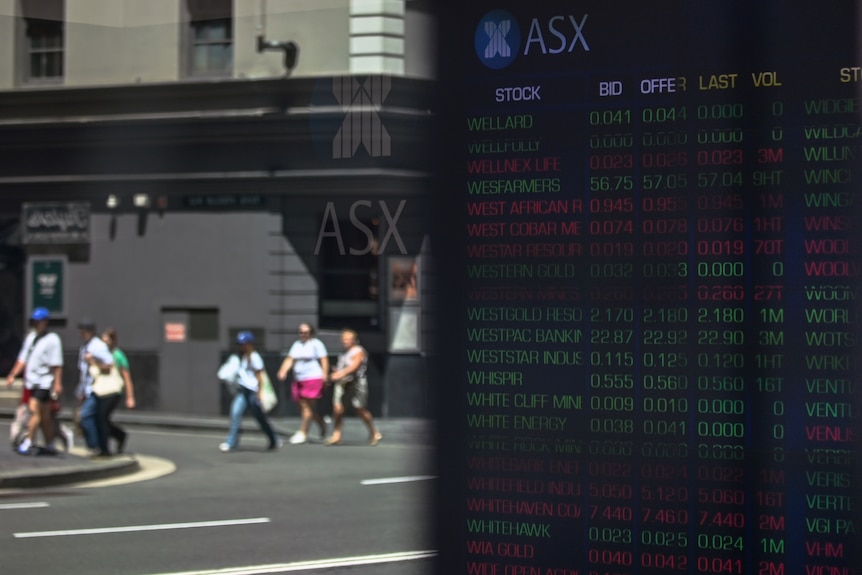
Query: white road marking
[[316, 564], [33, 505], [387, 480], [134, 528]]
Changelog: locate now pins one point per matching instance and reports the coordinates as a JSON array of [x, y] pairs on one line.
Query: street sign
[[47, 281], [55, 223]]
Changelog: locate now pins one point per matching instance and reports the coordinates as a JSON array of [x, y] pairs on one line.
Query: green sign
[[47, 277]]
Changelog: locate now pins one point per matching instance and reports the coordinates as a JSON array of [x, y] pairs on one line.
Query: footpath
[[32, 471]]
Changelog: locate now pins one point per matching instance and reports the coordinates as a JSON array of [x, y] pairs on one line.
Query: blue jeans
[[87, 415], [243, 400]]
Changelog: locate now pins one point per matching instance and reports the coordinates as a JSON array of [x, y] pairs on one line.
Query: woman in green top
[[106, 408]]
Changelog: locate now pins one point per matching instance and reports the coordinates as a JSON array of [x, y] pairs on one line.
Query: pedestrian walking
[[106, 404], [93, 352], [249, 379], [18, 427], [41, 360], [350, 385], [308, 359]]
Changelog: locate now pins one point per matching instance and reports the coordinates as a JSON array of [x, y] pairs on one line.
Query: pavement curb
[[76, 473], [42, 471]]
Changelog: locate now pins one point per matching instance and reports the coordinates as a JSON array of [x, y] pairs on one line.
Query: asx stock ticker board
[[654, 247]]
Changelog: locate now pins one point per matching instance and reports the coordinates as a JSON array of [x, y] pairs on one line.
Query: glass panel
[[45, 43], [212, 49], [217, 30], [212, 30], [36, 70], [199, 58], [203, 325], [349, 288], [46, 64], [54, 64], [200, 30], [344, 285], [215, 58], [54, 40], [43, 34]]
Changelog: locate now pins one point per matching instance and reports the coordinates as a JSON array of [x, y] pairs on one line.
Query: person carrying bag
[[105, 384], [251, 393]]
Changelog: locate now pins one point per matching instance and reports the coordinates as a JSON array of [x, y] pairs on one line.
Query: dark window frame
[[199, 40], [210, 33], [44, 51], [343, 276]]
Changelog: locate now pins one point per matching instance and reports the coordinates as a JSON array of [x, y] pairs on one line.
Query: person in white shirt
[[249, 379], [95, 352], [309, 361], [41, 360]]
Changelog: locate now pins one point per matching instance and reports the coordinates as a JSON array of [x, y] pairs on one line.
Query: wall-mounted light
[[111, 203], [142, 203], [141, 200], [290, 49]]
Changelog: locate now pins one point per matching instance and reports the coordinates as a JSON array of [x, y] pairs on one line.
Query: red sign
[[175, 332]]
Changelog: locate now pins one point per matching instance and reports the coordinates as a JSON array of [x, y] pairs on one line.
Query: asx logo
[[362, 126], [498, 37]]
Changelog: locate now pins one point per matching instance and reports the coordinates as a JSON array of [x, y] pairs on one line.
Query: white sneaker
[[224, 447], [24, 447], [297, 438], [67, 437]]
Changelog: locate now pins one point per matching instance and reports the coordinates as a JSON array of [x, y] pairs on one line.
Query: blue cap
[[40, 313], [244, 337]]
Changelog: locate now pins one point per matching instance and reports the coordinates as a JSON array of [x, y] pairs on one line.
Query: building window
[[45, 49], [349, 284], [212, 47], [211, 37]]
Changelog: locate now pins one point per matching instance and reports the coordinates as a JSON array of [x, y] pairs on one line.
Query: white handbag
[[269, 399], [107, 383], [228, 372]]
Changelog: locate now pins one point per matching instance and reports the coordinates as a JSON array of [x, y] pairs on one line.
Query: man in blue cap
[[249, 379], [41, 360]]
